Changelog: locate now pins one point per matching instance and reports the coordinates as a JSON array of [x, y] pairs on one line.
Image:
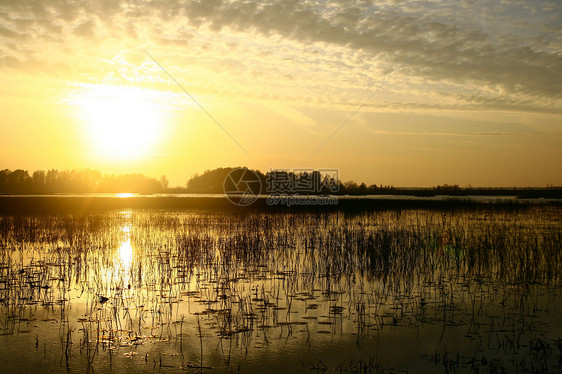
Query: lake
[[408, 289]]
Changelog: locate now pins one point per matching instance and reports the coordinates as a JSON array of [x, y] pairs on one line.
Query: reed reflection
[[200, 290]]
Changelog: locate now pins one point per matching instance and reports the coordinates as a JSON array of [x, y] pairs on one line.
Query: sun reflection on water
[[125, 254], [124, 195]]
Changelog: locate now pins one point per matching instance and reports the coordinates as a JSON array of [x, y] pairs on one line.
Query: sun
[[121, 122]]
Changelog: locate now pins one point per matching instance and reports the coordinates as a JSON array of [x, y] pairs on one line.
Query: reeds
[[199, 286]]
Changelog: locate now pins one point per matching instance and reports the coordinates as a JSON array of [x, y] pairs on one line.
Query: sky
[[403, 93]]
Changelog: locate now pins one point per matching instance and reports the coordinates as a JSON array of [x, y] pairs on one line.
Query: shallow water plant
[[192, 290]]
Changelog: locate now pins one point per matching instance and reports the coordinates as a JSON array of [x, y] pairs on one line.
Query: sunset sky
[[473, 92]]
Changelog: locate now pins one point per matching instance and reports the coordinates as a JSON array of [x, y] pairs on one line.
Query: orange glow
[[124, 195], [121, 122]]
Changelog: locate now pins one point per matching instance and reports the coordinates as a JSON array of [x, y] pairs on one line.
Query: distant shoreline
[[19, 204], [518, 192]]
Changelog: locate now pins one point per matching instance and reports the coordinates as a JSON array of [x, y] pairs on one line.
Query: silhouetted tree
[[76, 181], [164, 182], [213, 181]]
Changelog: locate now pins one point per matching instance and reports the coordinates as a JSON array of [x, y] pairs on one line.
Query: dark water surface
[[416, 290]]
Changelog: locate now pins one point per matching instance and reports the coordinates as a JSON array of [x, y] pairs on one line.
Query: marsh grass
[[201, 291]]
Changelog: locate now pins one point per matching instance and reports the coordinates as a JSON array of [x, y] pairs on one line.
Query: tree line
[[278, 181], [76, 181], [215, 181]]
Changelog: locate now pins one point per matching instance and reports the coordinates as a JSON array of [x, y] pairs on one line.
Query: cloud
[[508, 48], [85, 29], [8, 33], [457, 134]]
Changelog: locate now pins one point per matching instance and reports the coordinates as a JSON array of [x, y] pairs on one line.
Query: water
[[187, 196], [189, 291]]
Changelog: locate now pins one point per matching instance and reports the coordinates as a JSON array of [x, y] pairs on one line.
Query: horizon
[[392, 93], [343, 182]]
